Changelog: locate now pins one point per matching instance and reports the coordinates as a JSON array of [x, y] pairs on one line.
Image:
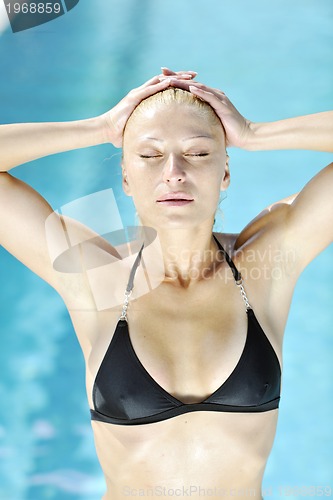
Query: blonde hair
[[174, 95]]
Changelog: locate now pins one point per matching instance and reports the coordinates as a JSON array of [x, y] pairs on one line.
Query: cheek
[[137, 179], [141, 176], [213, 178], [141, 186], [212, 185]]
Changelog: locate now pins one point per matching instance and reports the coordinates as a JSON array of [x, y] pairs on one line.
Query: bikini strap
[[236, 274], [130, 285]]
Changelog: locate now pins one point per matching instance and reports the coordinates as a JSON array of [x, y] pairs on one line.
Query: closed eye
[[160, 156], [198, 154], [150, 156]]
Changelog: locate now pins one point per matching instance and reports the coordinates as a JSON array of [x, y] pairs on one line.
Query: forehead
[[175, 121]]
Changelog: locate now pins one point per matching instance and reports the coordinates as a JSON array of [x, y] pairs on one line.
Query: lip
[[175, 196], [175, 202]]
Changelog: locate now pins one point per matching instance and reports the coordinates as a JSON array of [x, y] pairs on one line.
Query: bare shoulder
[[269, 222], [77, 253], [261, 255], [266, 266], [300, 226], [263, 229], [227, 240]]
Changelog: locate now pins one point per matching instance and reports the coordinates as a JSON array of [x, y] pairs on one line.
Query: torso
[[168, 330]]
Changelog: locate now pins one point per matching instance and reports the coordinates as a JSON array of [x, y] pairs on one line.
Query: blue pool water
[[274, 60]]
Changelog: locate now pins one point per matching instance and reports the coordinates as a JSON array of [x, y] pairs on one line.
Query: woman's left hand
[[238, 129]]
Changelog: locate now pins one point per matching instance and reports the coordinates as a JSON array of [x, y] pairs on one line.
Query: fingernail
[[193, 89]]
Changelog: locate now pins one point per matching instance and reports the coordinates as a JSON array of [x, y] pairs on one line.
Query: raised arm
[[304, 223], [24, 142], [311, 132], [23, 211]]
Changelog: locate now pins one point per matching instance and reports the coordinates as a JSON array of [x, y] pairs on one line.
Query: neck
[[189, 255]]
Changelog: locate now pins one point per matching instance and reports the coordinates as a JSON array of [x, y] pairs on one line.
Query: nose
[[173, 170]]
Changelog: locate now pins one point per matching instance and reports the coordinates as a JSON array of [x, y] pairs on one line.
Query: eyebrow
[[150, 139], [187, 139], [198, 137]]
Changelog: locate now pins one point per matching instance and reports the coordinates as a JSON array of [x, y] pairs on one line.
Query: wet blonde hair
[[173, 95]]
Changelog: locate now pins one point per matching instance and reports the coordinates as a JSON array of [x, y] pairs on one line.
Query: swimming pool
[[274, 60]]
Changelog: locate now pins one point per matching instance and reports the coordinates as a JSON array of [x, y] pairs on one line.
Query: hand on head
[[114, 121], [238, 129], [181, 75]]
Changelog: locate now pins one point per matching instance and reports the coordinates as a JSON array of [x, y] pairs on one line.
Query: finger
[[193, 73], [185, 85], [157, 79], [182, 83], [153, 80], [203, 87], [153, 88], [184, 76], [217, 92], [169, 72], [199, 90], [206, 95]]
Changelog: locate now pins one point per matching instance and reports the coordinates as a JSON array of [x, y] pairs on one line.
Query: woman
[[183, 367]]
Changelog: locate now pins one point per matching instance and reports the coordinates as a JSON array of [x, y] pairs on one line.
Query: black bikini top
[[124, 392]]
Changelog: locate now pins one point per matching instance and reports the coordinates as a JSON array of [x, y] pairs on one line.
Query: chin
[[178, 222]]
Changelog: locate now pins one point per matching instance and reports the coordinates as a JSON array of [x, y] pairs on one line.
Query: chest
[[189, 341]]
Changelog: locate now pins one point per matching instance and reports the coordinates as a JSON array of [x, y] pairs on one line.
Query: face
[[174, 166]]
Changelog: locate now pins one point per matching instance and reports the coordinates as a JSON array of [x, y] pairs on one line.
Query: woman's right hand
[[114, 121]]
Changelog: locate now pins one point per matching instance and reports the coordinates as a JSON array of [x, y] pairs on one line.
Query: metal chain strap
[[128, 293], [125, 305], [239, 283]]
